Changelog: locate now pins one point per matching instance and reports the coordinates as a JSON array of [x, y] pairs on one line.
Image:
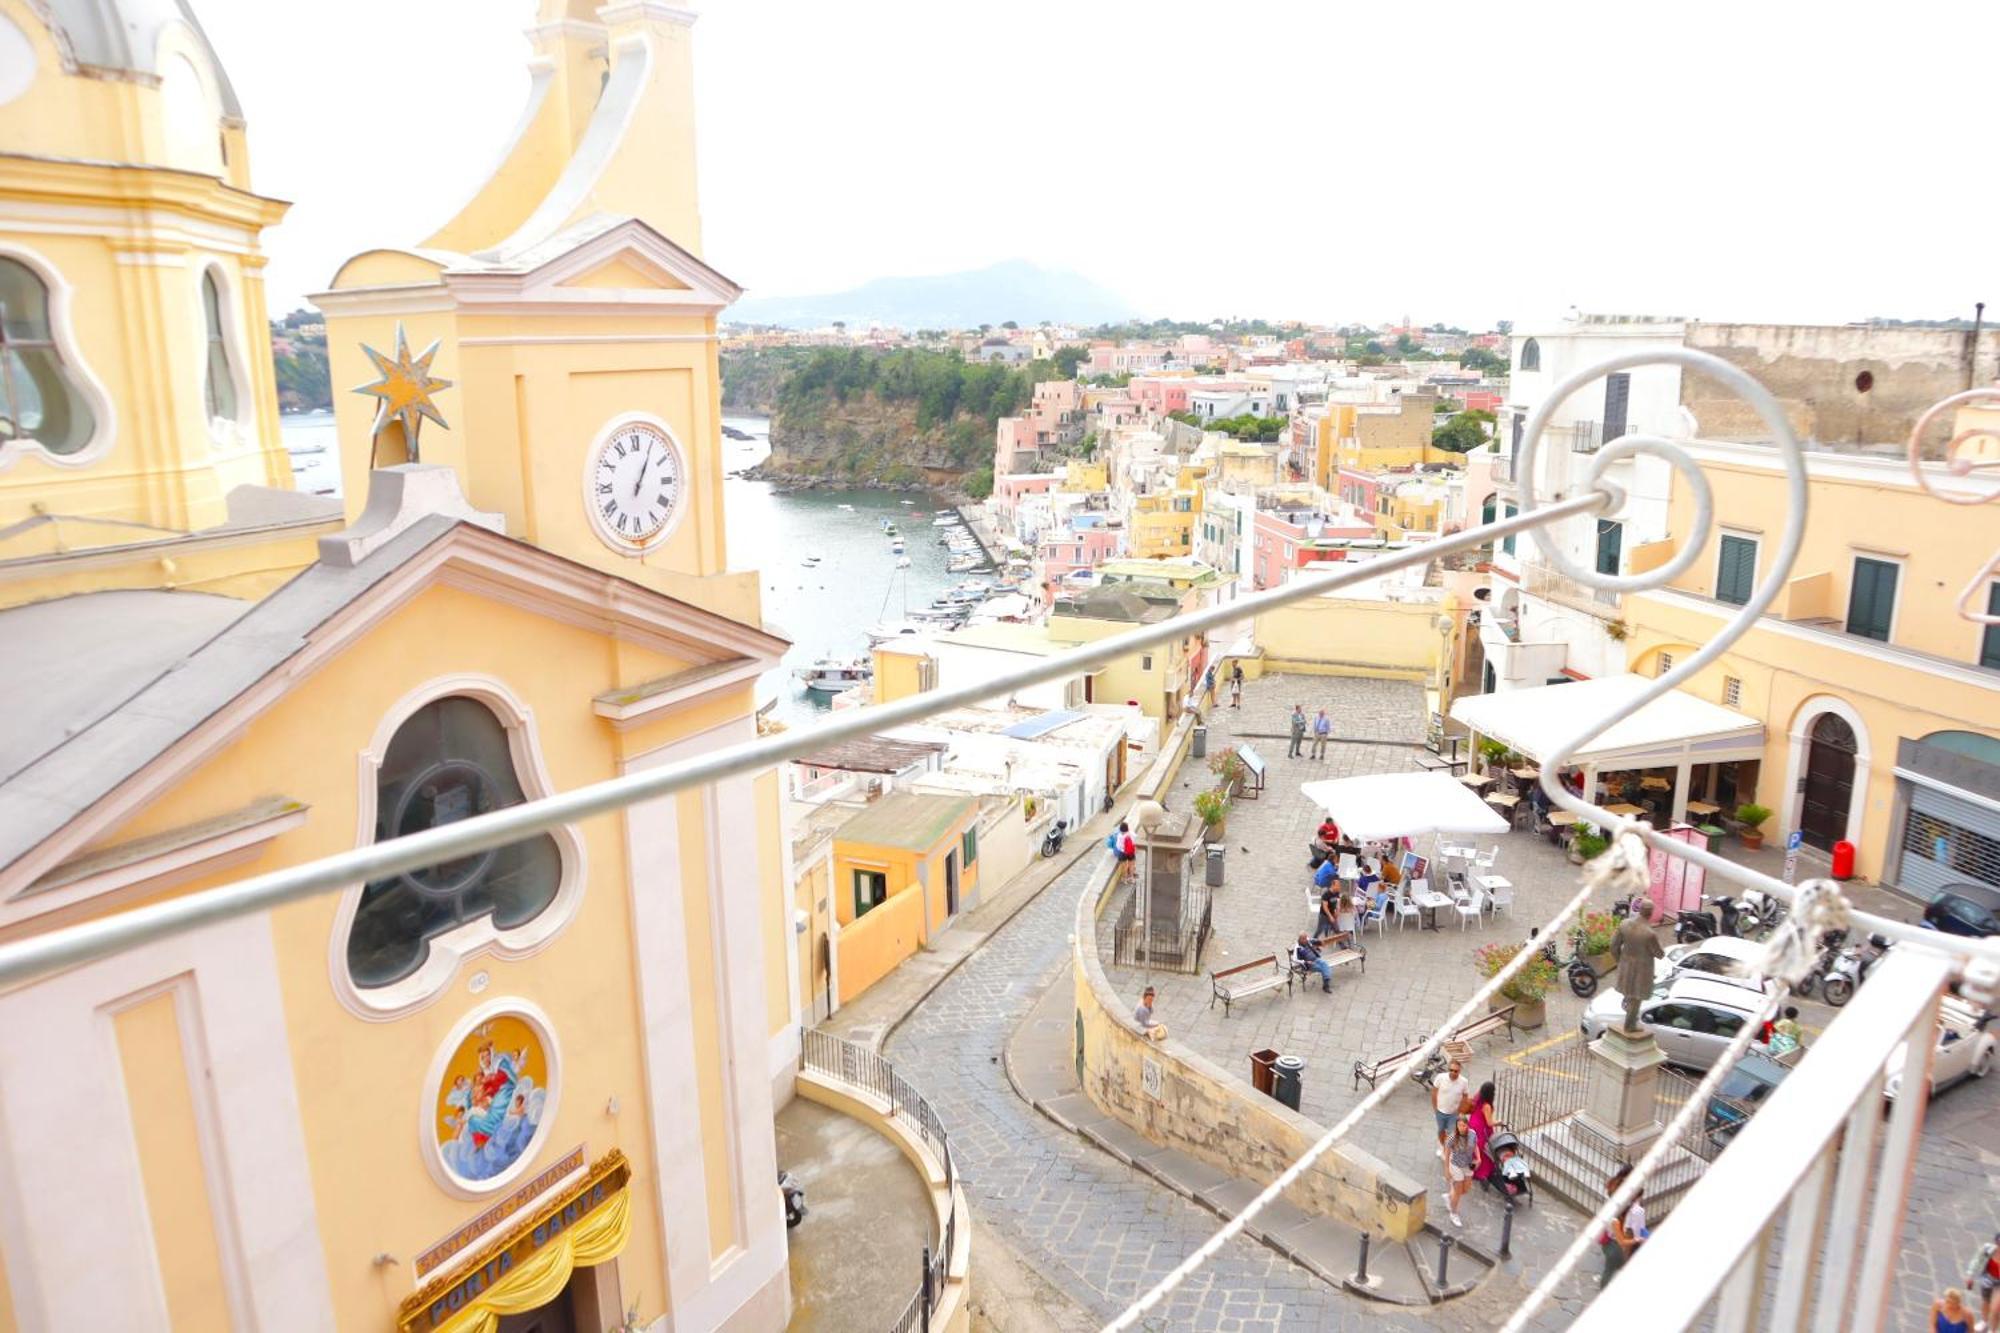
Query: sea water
[[824, 611]]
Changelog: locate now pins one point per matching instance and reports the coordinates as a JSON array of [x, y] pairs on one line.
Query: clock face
[[633, 485]]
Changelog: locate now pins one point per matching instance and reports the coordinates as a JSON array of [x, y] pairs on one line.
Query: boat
[[831, 675], [810, 562], [898, 629], [848, 508], [947, 519], [303, 450], [906, 502], [896, 545], [902, 562], [962, 564]]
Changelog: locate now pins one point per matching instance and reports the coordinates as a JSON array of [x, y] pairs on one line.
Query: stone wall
[[1816, 372], [1177, 1097]]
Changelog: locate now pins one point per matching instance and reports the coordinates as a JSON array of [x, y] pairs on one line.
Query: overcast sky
[[1327, 161]]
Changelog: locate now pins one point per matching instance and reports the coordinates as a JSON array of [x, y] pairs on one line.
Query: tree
[[1067, 359], [979, 484], [1504, 326], [1010, 324], [1373, 348], [1465, 431], [1479, 359]]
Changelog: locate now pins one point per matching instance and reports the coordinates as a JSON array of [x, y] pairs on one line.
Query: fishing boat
[[810, 562], [303, 450], [906, 502], [847, 508], [962, 564], [946, 519], [831, 675], [896, 545], [898, 629], [902, 562]]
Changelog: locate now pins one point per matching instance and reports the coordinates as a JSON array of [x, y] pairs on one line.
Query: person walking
[[1480, 1119], [1459, 1153], [1985, 1280], [1448, 1093], [1322, 732], [1235, 684], [1949, 1313], [1622, 1238], [1298, 731]]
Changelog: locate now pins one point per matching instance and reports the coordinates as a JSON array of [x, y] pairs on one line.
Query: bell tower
[[571, 309]]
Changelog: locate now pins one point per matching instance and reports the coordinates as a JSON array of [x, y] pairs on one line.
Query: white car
[[1724, 957], [1964, 1050], [1692, 1017]]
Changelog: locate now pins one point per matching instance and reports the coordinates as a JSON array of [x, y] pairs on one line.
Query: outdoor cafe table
[[1703, 808], [1526, 773], [1625, 809], [1430, 901], [1474, 780]]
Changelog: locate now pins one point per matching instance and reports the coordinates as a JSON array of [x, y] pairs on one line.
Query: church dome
[[124, 37]]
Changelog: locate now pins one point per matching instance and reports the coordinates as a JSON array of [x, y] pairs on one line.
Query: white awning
[[1673, 729], [1402, 805]]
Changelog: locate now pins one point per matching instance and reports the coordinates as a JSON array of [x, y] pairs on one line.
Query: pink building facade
[[1160, 394], [1287, 539], [1063, 552]]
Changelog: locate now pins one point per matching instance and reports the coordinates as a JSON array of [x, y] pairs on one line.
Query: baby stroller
[[1511, 1177]]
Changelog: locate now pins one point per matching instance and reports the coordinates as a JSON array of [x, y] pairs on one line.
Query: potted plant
[[1593, 940], [1525, 990], [1587, 845], [1752, 816], [1212, 807], [1491, 754], [1228, 766]]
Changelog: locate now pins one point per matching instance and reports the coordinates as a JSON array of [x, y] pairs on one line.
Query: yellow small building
[[1085, 475], [901, 869], [1377, 438], [1163, 523]]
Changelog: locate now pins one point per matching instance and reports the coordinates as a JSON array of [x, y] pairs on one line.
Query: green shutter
[[971, 842], [1736, 570], [1989, 645], [1872, 602], [1507, 542]]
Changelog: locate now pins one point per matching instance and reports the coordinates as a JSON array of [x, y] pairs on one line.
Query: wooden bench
[[1334, 958], [1458, 1045], [1247, 979]]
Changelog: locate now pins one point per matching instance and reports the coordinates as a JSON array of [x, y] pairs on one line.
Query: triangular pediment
[[603, 258], [628, 271]]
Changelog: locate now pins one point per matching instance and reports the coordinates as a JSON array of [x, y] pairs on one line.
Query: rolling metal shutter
[[1947, 840]]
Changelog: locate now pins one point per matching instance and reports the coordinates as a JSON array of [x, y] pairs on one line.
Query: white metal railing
[[1624, 866]]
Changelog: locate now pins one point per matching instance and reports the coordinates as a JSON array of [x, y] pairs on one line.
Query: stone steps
[[1572, 1165]]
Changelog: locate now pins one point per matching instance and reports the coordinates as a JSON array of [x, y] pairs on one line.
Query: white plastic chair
[[1501, 899], [1378, 915], [1470, 909], [1483, 863], [1349, 867], [1407, 910]]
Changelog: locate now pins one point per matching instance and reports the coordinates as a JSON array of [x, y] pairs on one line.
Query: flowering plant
[[1594, 932], [1533, 982], [1229, 767]]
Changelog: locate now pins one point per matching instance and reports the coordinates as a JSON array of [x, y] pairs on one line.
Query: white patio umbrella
[[1402, 805]]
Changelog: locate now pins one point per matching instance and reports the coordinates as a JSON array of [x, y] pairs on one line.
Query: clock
[[634, 480]]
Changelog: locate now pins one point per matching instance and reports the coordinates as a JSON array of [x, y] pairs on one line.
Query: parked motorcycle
[[1851, 968], [1582, 976], [1760, 912], [1702, 924], [1052, 841], [795, 1198], [1823, 965]]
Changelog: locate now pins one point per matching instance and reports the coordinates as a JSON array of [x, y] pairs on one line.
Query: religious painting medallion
[[491, 1095], [634, 480]]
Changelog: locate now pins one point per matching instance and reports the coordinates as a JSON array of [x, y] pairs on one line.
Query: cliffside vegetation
[[859, 416], [298, 357]]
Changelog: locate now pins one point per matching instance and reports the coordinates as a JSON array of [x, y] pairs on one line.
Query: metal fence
[[1172, 942], [859, 1067]]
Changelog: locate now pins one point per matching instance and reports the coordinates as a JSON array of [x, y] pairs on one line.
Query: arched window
[[448, 761], [40, 399], [218, 380], [1531, 355]]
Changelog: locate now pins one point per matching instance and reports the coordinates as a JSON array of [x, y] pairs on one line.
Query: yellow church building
[[529, 1089]]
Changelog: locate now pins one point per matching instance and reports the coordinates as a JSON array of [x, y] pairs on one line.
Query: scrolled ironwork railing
[[859, 1067]]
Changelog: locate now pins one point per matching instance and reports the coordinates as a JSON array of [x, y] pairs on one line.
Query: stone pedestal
[[1621, 1090]]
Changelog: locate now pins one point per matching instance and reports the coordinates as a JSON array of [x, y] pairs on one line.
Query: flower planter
[[1752, 840], [1528, 1014], [1600, 963]]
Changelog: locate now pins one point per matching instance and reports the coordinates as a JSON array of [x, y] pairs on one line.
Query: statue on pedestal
[[1635, 947]]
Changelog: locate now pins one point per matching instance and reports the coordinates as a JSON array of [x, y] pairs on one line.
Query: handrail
[[25, 959]]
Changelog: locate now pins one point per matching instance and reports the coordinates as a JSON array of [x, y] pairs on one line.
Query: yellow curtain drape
[[595, 1240]]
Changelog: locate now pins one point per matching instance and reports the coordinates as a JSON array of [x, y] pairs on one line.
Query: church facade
[[531, 1088]]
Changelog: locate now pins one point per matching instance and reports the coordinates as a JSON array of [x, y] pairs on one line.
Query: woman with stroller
[[1480, 1120]]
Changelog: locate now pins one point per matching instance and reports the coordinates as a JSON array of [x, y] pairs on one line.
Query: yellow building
[[135, 462], [1086, 476], [1158, 680], [1405, 507], [1880, 702], [901, 867], [537, 1081], [1162, 524], [1377, 438]]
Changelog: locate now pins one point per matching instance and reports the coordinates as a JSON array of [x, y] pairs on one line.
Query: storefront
[[554, 1270], [1948, 813]]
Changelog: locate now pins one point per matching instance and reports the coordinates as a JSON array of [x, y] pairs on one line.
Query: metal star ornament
[[405, 389]]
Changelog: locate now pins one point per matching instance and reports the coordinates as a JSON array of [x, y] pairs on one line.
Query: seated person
[[1326, 918], [1305, 954], [1327, 875], [1788, 1026], [1143, 1016], [1369, 877], [1329, 832]]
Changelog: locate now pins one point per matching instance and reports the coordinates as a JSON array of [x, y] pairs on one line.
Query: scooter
[[1850, 969], [1693, 926], [1582, 976], [1761, 911], [1052, 841], [795, 1198], [1823, 964]]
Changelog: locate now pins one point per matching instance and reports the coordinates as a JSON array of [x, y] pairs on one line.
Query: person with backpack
[[1621, 1240], [1119, 840]]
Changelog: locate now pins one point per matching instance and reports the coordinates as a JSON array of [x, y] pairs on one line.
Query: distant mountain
[[1015, 290]]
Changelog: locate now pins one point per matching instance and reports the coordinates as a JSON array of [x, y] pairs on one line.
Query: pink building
[[1008, 493], [1288, 539], [1014, 448], [1086, 544], [1160, 394]]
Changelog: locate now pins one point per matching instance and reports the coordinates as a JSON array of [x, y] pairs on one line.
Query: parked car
[[1742, 1090], [1959, 910], [1724, 957], [1692, 1017], [1965, 1049]]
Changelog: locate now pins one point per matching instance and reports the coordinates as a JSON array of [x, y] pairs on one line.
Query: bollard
[[925, 1290], [1507, 1231], [1361, 1268], [1444, 1259]]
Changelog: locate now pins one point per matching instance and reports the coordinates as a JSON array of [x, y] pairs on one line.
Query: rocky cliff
[[865, 442]]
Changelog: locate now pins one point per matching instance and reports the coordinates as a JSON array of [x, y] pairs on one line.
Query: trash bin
[[1843, 859], [1260, 1071], [1200, 750], [1215, 851], [1288, 1073]]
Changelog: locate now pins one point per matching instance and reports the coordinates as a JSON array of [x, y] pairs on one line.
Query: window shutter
[[1872, 603], [1989, 644], [1735, 570]]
